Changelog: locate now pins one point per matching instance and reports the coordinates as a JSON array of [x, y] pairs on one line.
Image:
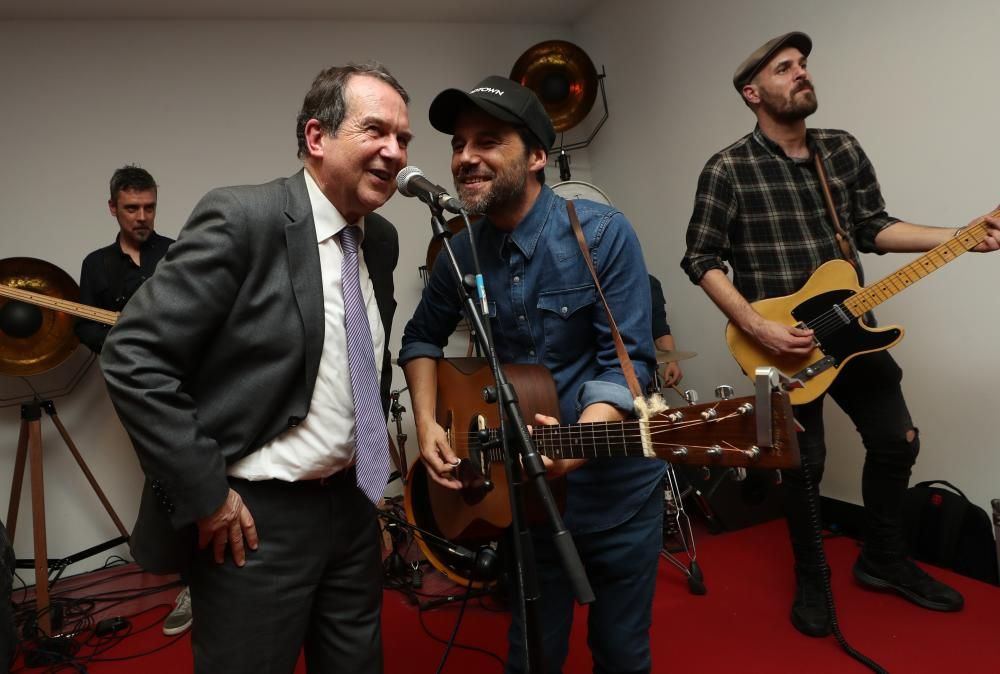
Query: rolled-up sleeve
[[437, 314], [868, 205], [715, 206]]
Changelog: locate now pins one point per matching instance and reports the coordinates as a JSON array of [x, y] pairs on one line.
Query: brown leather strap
[[844, 241], [623, 358]]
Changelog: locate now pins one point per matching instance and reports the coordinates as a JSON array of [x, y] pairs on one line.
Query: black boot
[[908, 580], [810, 613]]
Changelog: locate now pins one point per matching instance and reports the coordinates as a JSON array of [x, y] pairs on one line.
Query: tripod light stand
[[32, 342]]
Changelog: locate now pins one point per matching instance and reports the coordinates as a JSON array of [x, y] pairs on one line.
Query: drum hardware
[[481, 567], [34, 345], [398, 451], [577, 189], [399, 573], [678, 536], [566, 82]]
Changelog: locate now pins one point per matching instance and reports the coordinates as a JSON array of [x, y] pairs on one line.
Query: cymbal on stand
[[664, 357]]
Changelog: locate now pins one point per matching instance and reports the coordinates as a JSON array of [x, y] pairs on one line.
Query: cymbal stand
[[29, 449], [677, 524], [397, 410]]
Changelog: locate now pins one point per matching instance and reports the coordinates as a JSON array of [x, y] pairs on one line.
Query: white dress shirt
[[323, 443]]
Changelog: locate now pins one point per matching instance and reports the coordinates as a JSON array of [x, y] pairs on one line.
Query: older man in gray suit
[[249, 401]]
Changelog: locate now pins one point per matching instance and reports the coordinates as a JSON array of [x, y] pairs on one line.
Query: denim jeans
[[868, 390], [621, 564]]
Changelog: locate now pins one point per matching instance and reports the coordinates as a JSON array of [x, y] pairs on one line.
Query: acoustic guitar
[[58, 304], [719, 433], [832, 303]]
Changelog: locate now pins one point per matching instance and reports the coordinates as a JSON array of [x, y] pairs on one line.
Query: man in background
[[663, 339], [111, 275]]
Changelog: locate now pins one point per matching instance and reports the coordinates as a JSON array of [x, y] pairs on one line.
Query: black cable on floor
[[812, 506]]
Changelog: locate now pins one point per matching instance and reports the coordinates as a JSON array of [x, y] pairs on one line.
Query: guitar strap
[[844, 240], [623, 357]]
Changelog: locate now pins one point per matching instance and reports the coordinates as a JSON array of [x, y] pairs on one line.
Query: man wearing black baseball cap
[[544, 310], [760, 206]]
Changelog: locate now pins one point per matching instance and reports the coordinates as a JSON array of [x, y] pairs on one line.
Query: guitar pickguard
[[844, 336]]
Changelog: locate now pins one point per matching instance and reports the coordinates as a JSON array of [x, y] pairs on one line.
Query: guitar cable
[[812, 506]]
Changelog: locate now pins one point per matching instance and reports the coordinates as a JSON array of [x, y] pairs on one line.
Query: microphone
[[411, 183]]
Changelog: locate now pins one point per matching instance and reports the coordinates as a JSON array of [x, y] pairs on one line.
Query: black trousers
[[315, 581], [868, 390]]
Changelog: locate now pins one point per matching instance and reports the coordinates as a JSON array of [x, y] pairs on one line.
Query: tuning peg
[[679, 452], [714, 451], [691, 396], [709, 414], [675, 416], [724, 392]]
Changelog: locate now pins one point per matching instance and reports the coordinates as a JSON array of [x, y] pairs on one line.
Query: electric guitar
[[720, 433], [58, 304], [831, 303]]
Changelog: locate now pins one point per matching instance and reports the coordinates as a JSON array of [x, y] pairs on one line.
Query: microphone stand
[[525, 573]]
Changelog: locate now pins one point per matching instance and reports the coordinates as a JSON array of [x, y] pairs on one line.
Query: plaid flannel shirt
[[764, 213]]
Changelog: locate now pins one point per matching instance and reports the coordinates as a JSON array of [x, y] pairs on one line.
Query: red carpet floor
[[741, 624]]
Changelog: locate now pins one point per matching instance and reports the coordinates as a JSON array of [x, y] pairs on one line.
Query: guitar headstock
[[724, 433]]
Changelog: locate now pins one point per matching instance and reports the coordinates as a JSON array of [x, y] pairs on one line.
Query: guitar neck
[[56, 304], [588, 441], [872, 296]]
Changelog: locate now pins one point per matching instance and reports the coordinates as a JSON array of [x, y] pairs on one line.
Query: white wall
[[915, 81], [199, 104], [204, 104]]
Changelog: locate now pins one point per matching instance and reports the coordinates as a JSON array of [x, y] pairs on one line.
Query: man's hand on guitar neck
[[555, 468], [992, 241]]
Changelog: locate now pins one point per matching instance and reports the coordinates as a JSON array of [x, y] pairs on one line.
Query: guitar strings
[[830, 321], [625, 431]]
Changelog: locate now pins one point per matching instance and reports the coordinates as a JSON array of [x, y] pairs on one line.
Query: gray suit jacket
[[218, 352]]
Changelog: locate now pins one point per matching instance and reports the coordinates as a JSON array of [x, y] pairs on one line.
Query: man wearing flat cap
[[760, 208], [544, 310]]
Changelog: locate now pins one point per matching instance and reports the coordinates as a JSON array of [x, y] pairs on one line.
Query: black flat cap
[[760, 58], [498, 97]]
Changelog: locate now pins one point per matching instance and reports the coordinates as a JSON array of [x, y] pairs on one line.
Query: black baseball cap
[[754, 63], [498, 97]]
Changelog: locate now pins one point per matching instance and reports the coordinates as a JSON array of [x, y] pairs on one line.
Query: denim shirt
[[545, 310]]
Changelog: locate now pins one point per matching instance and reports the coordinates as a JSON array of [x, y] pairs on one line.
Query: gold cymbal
[[664, 357], [54, 340]]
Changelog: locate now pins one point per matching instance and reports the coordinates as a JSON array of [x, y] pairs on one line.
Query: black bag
[[943, 528]]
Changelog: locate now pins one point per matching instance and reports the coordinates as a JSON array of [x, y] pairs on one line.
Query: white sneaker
[[179, 619]]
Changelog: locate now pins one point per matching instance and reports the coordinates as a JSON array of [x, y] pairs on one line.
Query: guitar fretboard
[[585, 441], [581, 441], [872, 296], [66, 306]]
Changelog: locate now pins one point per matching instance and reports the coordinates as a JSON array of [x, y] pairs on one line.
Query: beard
[[797, 106], [507, 186]]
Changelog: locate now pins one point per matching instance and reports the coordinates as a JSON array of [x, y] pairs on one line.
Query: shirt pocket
[[567, 322]]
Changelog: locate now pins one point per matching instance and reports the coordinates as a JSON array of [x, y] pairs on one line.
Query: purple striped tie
[[370, 433]]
